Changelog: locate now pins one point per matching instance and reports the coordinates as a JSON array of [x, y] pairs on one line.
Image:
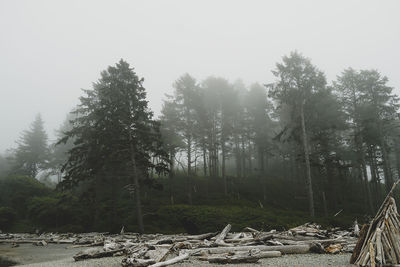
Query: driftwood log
[[249, 245], [251, 257], [220, 238], [291, 249], [381, 244], [171, 261]]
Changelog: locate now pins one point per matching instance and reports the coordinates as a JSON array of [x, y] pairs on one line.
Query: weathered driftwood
[[220, 238], [249, 229], [159, 254], [250, 257], [292, 249], [202, 236], [171, 261], [246, 246], [381, 243], [92, 253], [359, 244]]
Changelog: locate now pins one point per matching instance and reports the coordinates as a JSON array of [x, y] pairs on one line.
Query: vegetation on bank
[[27, 205]]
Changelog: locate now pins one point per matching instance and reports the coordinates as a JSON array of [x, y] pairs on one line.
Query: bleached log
[[264, 237], [94, 253], [41, 243], [220, 238], [242, 258], [379, 246], [239, 240], [291, 249], [202, 236], [372, 254], [171, 261], [249, 229]]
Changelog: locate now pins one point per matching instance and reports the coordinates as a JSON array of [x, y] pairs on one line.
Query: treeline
[[299, 128], [297, 143]]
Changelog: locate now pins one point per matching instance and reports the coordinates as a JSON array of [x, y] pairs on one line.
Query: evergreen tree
[[297, 80], [185, 90], [59, 151], [114, 134], [172, 141], [32, 152]]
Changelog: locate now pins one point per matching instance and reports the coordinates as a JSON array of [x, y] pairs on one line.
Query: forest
[[270, 156]]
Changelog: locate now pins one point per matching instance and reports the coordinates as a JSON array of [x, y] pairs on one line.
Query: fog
[[49, 50]]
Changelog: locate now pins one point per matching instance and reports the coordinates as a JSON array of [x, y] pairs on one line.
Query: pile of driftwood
[[379, 242], [247, 246]]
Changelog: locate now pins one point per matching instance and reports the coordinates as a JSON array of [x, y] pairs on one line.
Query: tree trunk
[[375, 176], [367, 187], [332, 192], [237, 156], [223, 167], [137, 189], [386, 165], [171, 177], [243, 158], [307, 159], [324, 204], [204, 158], [189, 169], [249, 159]]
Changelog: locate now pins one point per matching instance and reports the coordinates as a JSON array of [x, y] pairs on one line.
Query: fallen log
[[158, 254], [381, 243], [250, 257], [93, 253], [359, 244], [220, 238], [249, 229], [171, 261], [291, 249], [202, 236]]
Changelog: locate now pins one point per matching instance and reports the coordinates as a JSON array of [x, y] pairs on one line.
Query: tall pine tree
[[31, 154], [115, 134]]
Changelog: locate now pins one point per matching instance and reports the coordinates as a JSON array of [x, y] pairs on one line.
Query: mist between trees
[[267, 155]]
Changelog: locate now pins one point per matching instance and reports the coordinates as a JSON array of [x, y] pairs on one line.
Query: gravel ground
[[60, 255]]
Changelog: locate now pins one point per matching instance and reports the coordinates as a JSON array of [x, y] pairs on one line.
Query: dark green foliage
[[7, 217], [76, 212], [111, 123], [16, 191], [59, 213], [115, 137], [5, 165], [32, 152]]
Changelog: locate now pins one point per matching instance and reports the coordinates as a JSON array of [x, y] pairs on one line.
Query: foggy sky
[[49, 50]]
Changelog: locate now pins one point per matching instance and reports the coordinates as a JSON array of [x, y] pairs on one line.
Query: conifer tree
[[31, 154], [115, 134]]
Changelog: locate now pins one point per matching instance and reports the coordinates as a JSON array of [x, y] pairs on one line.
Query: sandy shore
[[61, 255]]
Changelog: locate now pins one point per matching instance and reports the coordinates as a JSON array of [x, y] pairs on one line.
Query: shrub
[[60, 213], [16, 191], [7, 217]]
